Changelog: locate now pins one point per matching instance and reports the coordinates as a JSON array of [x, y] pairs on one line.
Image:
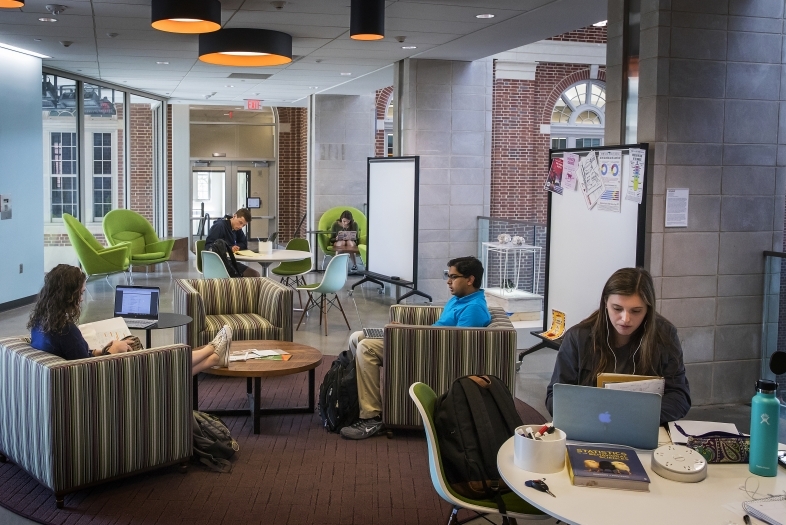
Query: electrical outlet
[[21, 268]]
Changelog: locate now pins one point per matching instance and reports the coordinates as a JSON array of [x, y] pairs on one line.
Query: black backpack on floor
[[338, 394], [213, 444], [224, 251], [472, 421]]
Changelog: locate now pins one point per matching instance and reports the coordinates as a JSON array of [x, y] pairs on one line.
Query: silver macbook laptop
[[138, 305], [601, 415]]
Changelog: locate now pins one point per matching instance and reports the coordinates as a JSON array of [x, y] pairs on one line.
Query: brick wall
[[519, 151], [591, 34], [292, 176], [382, 102], [141, 177]]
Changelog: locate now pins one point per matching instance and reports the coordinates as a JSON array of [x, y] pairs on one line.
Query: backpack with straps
[[224, 251], [472, 421], [338, 394], [213, 444]]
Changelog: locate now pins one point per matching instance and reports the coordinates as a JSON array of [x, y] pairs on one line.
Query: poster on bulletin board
[[593, 231]]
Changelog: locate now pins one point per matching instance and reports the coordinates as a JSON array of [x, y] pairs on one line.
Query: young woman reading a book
[[53, 321], [625, 336], [345, 223]]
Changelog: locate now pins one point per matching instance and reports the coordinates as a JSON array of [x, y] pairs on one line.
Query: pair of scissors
[[540, 485]]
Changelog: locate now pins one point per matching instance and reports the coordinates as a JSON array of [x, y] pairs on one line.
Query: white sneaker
[[222, 343]]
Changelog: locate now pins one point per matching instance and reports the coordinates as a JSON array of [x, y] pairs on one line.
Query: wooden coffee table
[[304, 359]]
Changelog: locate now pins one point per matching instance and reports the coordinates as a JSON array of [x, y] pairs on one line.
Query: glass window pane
[[58, 105], [588, 118], [103, 123], [145, 155], [561, 113], [598, 97], [577, 94]]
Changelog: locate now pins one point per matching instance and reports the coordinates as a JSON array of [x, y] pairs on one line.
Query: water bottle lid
[[765, 386]]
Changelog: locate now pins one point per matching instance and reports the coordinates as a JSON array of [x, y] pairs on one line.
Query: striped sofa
[[255, 308], [436, 355], [74, 424]]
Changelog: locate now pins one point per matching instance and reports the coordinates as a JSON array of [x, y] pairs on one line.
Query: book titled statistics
[[606, 466]]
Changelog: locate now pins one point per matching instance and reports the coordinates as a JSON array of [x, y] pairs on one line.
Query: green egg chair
[[326, 222], [94, 258], [146, 248]]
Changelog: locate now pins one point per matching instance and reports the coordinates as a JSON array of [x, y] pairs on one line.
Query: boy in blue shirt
[[466, 308]]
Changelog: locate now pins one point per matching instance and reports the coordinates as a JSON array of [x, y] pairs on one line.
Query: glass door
[[208, 190]]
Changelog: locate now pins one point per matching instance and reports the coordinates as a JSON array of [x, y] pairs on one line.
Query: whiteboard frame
[[640, 225], [416, 221]]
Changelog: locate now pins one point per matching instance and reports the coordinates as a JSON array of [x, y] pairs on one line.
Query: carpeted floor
[[293, 472]]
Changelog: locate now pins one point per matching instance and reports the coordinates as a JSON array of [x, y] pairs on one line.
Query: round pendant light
[[367, 20], [246, 47], [11, 4], [185, 16]]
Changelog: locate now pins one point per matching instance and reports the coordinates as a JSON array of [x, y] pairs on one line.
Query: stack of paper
[[101, 333], [769, 510]]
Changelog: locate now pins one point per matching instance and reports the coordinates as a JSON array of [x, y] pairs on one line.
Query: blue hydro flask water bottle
[[765, 413]]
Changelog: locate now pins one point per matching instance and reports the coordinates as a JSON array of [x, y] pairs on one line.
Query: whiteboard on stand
[[584, 247]]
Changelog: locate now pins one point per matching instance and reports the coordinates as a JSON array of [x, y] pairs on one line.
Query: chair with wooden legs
[[332, 282]]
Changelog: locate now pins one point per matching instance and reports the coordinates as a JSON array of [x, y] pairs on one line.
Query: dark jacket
[[68, 345], [575, 362], [222, 229]]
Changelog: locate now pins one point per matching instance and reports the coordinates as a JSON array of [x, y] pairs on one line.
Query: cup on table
[[265, 247], [544, 455]]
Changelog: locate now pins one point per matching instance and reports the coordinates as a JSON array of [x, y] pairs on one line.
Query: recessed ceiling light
[[37, 39], [47, 19], [409, 47], [163, 63], [602, 23], [313, 87], [229, 85], [485, 15], [346, 74]]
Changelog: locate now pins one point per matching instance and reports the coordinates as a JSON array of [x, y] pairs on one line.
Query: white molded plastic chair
[[212, 266], [332, 282], [425, 399]]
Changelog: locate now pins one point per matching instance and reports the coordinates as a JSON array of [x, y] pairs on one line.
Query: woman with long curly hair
[[625, 335], [53, 321]]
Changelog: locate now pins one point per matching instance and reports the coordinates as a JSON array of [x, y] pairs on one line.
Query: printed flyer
[[636, 159], [570, 164], [611, 174], [589, 179], [554, 180]]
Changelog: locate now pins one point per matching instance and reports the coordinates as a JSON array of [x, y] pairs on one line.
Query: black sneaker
[[354, 267], [362, 428]]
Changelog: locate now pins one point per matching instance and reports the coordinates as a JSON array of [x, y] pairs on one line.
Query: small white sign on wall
[[5, 207], [677, 207]]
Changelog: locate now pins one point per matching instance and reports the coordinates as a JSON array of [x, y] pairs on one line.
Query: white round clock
[[679, 463]]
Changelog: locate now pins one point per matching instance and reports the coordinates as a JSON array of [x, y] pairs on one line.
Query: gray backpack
[[213, 444]]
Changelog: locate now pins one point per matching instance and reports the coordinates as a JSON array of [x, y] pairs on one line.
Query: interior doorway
[[221, 188]]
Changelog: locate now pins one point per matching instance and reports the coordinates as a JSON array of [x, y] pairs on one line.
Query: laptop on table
[[137, 305], [601, 415]]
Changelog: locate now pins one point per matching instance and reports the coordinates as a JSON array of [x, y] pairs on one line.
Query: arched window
[[578, 117]]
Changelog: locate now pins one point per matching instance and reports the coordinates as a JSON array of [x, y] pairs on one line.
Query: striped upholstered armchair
[[73, 424], [254, 307], [437, 355]]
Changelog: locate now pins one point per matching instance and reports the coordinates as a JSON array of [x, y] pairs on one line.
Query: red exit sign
[[253, 104]]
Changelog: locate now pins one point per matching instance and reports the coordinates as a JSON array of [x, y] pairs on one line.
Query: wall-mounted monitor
[[253, 202]]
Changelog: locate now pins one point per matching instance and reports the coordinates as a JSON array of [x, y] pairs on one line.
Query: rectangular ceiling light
[[25, 51], [250, 76]]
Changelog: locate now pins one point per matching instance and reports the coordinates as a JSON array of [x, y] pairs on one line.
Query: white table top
[[709, 502], [509, 246], [276, 256]]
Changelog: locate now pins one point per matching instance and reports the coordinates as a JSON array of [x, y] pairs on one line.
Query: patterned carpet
[[293, 472]]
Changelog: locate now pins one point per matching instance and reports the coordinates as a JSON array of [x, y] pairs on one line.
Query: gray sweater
[[575, 362]]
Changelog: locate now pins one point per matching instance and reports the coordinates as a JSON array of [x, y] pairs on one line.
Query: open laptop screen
[[136, 302]]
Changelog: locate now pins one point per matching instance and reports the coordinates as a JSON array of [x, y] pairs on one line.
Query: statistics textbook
[[606, 466]]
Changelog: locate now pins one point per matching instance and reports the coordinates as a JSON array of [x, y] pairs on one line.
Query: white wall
[[181, 170], [21, 143]]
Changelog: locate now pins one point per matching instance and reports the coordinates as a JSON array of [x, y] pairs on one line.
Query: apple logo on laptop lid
[[605, 417]]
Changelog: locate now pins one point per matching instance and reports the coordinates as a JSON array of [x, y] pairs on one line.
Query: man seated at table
[[467, 308], [230, 230]]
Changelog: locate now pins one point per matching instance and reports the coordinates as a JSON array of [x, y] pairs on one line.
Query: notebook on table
[[137, 305], [602, 415]]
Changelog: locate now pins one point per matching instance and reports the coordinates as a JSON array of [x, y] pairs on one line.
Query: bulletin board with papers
[[596, 222]]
